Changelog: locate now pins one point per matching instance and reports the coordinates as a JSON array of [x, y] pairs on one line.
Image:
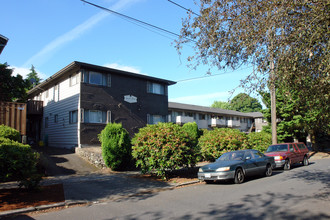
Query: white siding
[[61, 133]]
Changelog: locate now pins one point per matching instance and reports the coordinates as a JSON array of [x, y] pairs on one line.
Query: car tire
[[305, 161], [269, 170], [209, 181], [239, 176], [287, 165]]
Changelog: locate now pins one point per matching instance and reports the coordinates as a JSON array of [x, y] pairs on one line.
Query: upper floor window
[[97, 78], [156, 88], [74, 79]]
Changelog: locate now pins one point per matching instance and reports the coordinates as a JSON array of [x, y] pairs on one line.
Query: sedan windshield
[[273, 148], [231, 156]]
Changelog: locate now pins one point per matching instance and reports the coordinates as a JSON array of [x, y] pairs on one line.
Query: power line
[[189, 10], [210, 75], [134, 19]]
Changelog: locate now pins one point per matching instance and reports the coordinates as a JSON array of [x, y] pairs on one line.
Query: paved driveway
[[60, 161]]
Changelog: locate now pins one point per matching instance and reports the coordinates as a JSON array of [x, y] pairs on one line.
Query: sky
[[51, 34]]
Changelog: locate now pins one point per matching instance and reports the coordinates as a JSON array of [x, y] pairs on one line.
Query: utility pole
[[273, 101]]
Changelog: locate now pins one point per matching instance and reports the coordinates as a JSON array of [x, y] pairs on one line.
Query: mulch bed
[[16, 198]]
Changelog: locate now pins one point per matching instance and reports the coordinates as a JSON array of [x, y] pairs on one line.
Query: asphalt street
[[301, 193]]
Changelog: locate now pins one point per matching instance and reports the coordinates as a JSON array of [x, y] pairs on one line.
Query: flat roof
[[77, 65], [204, 109]]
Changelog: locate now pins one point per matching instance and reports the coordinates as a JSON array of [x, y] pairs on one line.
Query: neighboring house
[[3, 42], [207, 117], [80, 99]]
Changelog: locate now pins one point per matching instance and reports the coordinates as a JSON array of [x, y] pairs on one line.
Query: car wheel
[[269, 170], [305, 161], [287, 165], [239, 176], [209, 181]]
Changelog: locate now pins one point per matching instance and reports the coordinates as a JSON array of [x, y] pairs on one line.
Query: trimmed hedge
[[18, 162], [220, 140], [10, 133], [116, 146], [163, 147]]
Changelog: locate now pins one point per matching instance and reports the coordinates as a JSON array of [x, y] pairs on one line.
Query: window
[[47, 93], [201, 116], [73, 117], [96, 116], [97, 78], [46, 122], [74, 79], [154, 119], [56, 93], [56, 118], [155, 88]]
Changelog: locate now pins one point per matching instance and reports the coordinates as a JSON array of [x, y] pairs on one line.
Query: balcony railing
[[234, 123], [34, 107], [184, 119], [217, 122]]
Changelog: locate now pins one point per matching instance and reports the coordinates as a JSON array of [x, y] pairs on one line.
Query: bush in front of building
[[10, 133], [259, 140], [192, 129], [116, 146], [162, 148], [18, 162], [220, 140]]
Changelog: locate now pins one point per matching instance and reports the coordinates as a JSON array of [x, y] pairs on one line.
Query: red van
[[287, 154]]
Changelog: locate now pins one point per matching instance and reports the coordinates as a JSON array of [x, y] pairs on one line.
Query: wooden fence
[[13, 115]]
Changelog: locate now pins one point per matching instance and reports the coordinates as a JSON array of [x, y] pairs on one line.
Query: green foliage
[[163, 147], [292, 35], [220, 140], [259, 140], [192, 129], [221, 105], [10, 133], [32, 78], [12, 88], [116, 146], [245, 103], [18, 162]]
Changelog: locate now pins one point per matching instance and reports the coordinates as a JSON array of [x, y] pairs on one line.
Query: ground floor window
[[73, 117], [154, 119], [96, 116]]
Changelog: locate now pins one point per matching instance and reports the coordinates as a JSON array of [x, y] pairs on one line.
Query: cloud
[[203, 100], [25, 71], [124, 68], [45, 53]]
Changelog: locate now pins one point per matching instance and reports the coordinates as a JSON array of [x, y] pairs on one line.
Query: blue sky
[[52, 34]]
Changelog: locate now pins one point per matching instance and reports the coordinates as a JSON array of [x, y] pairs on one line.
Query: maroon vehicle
[[287, 154]]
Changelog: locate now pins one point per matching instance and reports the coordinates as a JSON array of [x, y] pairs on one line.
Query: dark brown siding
[[132, 115]]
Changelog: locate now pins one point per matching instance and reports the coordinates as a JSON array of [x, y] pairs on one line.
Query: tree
[[296, 121], [245, 103], [33, 78], [222, 105], [12, 88], [287, 41]]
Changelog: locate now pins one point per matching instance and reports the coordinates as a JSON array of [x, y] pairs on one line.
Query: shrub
[[116, 146], [18, 162], [10, 133], [163, 147], [192, 129], [220, 140], [259, 140]]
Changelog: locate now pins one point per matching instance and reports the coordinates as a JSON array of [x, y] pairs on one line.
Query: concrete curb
[[69, 203]]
